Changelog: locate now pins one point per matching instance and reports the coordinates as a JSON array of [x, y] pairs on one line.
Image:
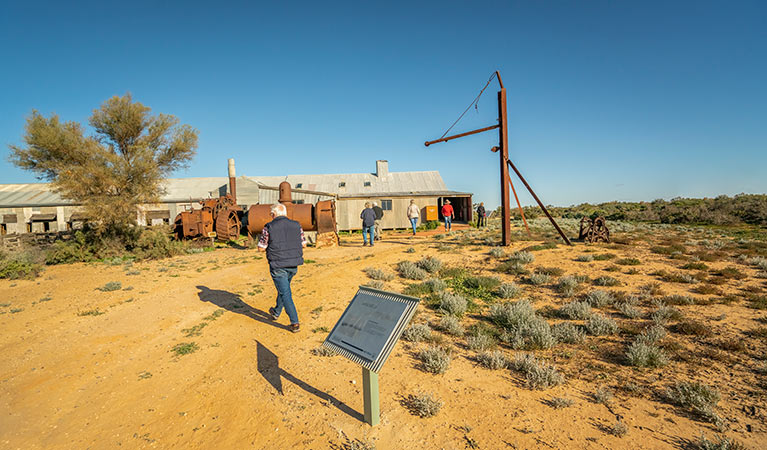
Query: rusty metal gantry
[[505, 163]]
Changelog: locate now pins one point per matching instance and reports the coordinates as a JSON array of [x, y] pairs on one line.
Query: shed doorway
[[461, 208]]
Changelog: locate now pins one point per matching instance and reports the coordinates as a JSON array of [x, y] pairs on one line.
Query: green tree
[[113, 171]]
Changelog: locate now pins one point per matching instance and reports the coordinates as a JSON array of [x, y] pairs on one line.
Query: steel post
[[503, 142], [370, 395]]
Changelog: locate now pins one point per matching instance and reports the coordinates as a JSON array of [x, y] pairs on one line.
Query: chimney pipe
[[382, 168], [232, 180]]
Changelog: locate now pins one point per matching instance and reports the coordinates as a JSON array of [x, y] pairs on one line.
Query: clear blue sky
[[607, 100]]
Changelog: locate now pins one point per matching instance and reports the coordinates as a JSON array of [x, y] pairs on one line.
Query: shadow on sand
[[233, 302], [269, 367]]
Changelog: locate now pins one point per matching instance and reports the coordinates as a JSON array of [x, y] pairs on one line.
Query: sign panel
[[370, 326]]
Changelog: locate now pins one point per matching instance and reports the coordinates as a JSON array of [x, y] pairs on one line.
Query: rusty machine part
[[216, 214], [227, 224], [194, 223], [594, 230]]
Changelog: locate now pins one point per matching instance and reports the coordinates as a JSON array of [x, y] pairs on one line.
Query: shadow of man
[[269, 367], [233, 302]]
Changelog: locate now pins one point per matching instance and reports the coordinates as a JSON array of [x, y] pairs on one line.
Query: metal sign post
[[366, 334]]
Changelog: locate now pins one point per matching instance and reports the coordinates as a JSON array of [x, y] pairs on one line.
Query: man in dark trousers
[[284, 242], [481, 215], [379, 216]]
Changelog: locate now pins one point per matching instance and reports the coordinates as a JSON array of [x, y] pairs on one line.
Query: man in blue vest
[[284, 242]]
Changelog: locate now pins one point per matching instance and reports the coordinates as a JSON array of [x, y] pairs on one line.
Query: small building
[[34, 208], [391, 190]]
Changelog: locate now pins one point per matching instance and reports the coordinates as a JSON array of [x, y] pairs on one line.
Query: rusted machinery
[[594, 230], [221, 217]]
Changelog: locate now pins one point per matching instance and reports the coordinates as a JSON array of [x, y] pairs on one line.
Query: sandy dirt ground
[[86, 369]]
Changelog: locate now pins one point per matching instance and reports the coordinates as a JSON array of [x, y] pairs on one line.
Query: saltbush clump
[[697, 397], [494, 360], [629, 310], [652, 335], [480, 342], [533, 334], [451, 325], [417, 333], [510, 314], [584, 258], [410, 271], [508, 290], [664, 313], [538, 279], [568, 333], [606, 281], [423, 405], [19, 266], [111, 286], [435, 359], [435, 285], [430, 264], [522, 257], [378, 274], [642, 354], [575, 310], [567, 286], [512, 268], [538, 375], [453, 304], [497, 252], [600, 298], [599, 325]]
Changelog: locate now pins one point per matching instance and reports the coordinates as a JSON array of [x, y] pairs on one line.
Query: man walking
[[284, 242], [481, 216], [412, 214], [368, 217], [379, 216], [447, 213]]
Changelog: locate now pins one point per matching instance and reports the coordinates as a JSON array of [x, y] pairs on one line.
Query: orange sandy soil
[[112, 380]]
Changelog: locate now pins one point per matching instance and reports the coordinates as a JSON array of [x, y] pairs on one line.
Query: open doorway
[[461, 208]]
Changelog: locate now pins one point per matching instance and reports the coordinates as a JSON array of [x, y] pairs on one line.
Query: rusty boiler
[[320, 217]]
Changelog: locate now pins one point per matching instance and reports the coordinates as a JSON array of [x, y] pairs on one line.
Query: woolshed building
[[34, 208]]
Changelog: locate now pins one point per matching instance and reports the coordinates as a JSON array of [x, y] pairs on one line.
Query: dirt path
[[82, 368]]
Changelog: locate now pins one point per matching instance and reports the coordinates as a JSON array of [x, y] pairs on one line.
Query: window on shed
[[367, 184], [342, 184], [298, 202], [386, 205], [299, 185]]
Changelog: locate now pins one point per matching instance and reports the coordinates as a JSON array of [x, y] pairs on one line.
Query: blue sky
[[607, 100]]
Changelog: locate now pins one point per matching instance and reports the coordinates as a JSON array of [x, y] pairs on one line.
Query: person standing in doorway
[[368, 217], [447, 213], [412, 214], [284, 241], [481, 215], [379, 216]]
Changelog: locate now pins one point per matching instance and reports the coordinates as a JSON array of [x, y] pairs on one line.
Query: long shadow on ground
[[269, 367], [233, 302]]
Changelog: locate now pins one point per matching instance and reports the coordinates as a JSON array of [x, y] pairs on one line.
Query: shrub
[[453, 304], [66, 252], [410, 271], [451, 325], [575, 310], [560, 402], [410, 250], [650, 289], [512, 268], [629, 310], [510, 314], [323, 351], [603, 257], [538, 375], [157, 242], [19, 266], [435, 359], [568, 333], [599, 325], [652, 335], [111, 286], [695, 266], [731, 272], [618, 429], [584, 258], [435, 285], [494, 360], [480, 342], [497, 252], [664, 313], [538, 279], [532, 334], [484, 283], [678, 300], [722, 443], [378, 274], [606, 281], [417, 333], [600, 298], [375, 284], [423, 405], [430, 264], [628, 262], [692, 328], [603, 395], [696, 397], [641, 354], [567, 286], [508, 290], [522, 257], [550, 271]]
